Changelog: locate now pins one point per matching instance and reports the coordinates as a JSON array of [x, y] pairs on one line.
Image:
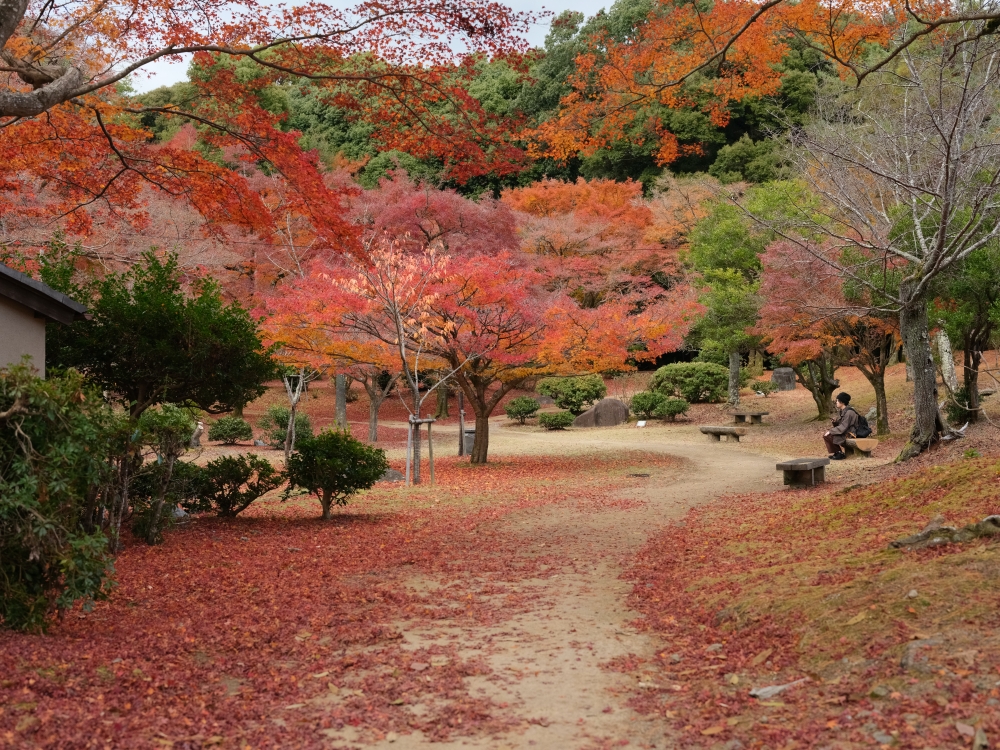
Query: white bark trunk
[[947, 357]]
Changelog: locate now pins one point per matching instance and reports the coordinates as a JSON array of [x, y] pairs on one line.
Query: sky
[[162, 73]]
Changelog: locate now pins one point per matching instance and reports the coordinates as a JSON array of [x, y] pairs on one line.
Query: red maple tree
[[69, 138], [810, 320]]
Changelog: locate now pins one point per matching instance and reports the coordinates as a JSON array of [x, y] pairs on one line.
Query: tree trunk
[[416, 453], [881, 403], [290, 432], [154, 523], [481, 445], [970, 380], [734, 378], [324, 500], [373, 407], [817, 376], [238, 411], [125, 466], [442, 402], [947, 357], [340, 406], [927, 425]]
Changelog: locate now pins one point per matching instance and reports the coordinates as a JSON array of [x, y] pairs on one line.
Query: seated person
[[844, 426]]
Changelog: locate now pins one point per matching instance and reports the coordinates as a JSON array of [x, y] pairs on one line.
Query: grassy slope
[[804, 585]]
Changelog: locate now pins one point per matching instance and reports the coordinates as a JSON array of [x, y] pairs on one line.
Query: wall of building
[[21, 333]]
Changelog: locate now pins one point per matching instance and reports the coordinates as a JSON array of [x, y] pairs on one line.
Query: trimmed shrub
[[521, 408], [231, 483], [274, 423], [646, 403], [559, 420], [695, 382], [230, 430], [333, 466], [185, 487], [763, 386], [671, 408], [574, 394]]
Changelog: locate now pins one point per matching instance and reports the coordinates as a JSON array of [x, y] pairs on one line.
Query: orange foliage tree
[[70, 138], [711, 55], [442, 281], [592, 239], [813, 324]]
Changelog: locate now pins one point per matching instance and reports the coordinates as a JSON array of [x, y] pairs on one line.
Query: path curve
[[547, 661]]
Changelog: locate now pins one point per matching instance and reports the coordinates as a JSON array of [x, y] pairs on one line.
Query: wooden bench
[[749, 417], [715, 433], [804, 472], [861, 446]]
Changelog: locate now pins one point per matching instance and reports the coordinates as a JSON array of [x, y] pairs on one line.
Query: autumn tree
[[592, 239], [816, 321], [443, 283], [487, 320], [71, 135], [646, 84]]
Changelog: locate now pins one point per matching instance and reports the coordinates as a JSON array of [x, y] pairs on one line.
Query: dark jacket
[[845, 425]]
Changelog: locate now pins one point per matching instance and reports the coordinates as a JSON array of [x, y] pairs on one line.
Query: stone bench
[[749, 417], [861, 446], [715, 433], [804, 472]]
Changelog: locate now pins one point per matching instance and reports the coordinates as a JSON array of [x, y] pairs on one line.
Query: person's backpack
[[863, 429]]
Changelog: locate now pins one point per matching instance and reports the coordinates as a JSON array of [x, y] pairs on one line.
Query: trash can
[[470, 438]]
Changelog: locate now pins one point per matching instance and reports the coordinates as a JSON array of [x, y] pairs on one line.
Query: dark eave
[[42, 299]]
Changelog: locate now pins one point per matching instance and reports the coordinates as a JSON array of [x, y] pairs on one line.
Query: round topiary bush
[[695, 382], [230, 430], [333, 466], [521, 408], [646, 403], [559, 420], [671, 408]]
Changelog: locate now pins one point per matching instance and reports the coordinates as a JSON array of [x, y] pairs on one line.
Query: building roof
[[43, 299]]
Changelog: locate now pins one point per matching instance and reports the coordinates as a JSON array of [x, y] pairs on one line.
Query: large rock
[[392, 475], [784, 378], [607, 412]]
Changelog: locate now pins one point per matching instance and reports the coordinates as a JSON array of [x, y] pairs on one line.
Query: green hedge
[[559, 420], [575, 394]]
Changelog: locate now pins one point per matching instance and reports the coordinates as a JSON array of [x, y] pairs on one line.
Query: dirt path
[[546, 662]]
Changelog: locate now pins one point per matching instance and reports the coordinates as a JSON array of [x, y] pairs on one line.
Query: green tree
[[969, 307], [574, 394], [726, 248], [147, 342], [53, 434], [333, 466], [521, 408]]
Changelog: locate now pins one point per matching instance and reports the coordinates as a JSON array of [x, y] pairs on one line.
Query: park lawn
[[767, 589], [276, 629]]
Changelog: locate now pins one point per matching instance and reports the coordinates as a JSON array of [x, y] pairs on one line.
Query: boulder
[[391, 475], [607, 412], [784, 378]]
